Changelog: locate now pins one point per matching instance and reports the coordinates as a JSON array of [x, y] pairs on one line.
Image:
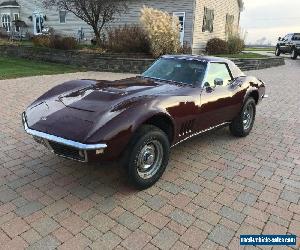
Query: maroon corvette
[[137, 120]]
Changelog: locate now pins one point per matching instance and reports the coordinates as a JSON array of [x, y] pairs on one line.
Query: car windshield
[[178, 70]]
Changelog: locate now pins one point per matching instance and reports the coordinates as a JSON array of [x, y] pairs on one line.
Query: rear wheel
[[294, 54], [147, 156], [277, 51], [242, 125]]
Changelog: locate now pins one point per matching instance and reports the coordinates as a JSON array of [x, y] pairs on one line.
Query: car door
[[289, 44], [217, 105], [283, 44]]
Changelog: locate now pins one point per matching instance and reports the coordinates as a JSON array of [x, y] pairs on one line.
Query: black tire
[[294, 54], [277, 51], [238, 127], [145, 138]]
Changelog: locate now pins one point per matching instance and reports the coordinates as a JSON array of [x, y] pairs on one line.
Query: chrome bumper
[[47, 139]]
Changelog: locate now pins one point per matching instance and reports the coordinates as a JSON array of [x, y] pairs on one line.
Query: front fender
[[117, 132]]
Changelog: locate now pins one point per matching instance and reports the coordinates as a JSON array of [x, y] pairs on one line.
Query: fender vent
[[187, 128]]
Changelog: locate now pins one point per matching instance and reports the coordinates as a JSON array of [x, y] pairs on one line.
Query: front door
[[284, 44], [38, 23], [181, 17], [217, 102]]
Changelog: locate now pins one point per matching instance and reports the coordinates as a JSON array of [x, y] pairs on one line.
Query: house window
[[229, 24], [208, 20], [6, 22], [16, 17], [62, 16]]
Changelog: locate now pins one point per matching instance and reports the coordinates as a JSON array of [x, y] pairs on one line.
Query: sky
[[270, 19]]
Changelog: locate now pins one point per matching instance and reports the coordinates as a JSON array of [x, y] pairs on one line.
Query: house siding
[[70, 28], [194, 11], [132, 15], [221, 8]]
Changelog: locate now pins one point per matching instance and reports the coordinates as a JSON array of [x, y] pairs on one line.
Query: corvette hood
[[78, 113], [105, 95]]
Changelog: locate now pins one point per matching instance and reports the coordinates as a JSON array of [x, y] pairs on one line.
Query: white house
[[200, 19]]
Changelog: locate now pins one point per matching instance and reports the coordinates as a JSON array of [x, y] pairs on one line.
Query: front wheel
[[242, 125], [277, 51], [147, 156], [294, 54]]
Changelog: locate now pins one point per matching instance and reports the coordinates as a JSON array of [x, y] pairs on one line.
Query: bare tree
[[96, 13]]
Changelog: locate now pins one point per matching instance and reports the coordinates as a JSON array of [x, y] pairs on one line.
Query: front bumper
[[64, 147]]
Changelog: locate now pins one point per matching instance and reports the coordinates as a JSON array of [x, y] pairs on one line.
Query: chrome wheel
[[248, 117], [149, 159]]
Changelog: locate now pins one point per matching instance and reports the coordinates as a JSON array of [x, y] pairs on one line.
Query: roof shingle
[[10, 3]]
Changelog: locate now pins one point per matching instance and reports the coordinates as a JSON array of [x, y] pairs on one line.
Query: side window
[[296, 37], [208, 20], [218, 70], [229, 24], [6, 22], [62, 16]]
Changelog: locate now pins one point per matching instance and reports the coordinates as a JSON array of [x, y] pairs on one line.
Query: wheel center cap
[[149, 159]]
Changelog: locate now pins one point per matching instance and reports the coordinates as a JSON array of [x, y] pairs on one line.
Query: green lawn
[[243, 55], [260, 49], [16, 67]]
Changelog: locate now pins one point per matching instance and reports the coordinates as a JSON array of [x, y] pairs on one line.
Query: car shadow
[[109, 179]]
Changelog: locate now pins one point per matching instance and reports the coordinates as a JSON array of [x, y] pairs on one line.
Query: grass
[[243, 55], [17, 67], [260, 49]]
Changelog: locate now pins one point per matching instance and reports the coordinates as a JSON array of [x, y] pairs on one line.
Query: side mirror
[[279, 38], [207, 87], [219, 82]]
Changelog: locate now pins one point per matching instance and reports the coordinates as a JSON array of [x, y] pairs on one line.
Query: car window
[[218, 70], [296, 37], [286, 37], [178, 70]]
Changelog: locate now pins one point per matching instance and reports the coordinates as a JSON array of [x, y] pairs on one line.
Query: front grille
[[67, 151]]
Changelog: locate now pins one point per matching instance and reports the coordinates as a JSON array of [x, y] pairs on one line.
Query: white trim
[[9, 6], [182, 33]]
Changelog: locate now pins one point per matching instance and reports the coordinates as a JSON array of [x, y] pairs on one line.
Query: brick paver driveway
[[216, 186]]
